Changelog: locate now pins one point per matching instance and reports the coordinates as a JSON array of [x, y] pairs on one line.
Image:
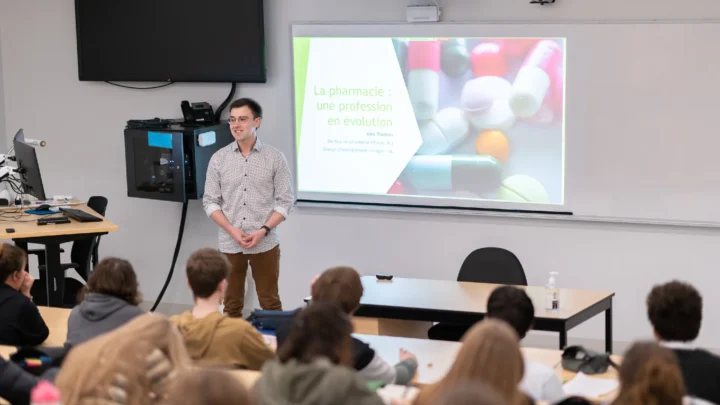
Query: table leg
[[608, 330], [55, 275], [563, 339]]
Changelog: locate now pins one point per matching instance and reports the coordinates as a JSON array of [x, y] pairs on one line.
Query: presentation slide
[[430, 121]]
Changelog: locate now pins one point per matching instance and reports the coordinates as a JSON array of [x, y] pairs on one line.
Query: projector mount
[[542, 2]]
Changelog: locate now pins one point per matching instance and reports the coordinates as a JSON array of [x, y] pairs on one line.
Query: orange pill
[[493, 143]]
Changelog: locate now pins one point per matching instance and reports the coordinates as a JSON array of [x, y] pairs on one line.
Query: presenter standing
[[248, 193]]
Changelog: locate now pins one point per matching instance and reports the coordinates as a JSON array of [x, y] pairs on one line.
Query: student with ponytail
[[20, 321]]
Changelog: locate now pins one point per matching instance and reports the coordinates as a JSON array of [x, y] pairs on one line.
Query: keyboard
[[79, 215], [53, 220]]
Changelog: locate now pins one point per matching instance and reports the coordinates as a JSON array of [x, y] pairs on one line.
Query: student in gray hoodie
[[314, 364], [111, 299]]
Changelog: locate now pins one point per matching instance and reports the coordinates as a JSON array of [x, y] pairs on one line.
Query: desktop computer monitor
[[29, 170]]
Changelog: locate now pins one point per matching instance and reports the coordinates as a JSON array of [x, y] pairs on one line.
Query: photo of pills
[[490, 114]]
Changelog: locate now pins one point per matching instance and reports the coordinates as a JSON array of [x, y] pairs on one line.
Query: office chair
[[492, 265], [83, 257], [485, 265]]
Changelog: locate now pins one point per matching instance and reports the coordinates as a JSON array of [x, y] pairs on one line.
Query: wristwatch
[[266, 228]]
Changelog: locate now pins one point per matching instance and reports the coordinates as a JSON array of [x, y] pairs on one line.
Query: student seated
[[342, 286], [314, 364], [675, 311], [512, 305], [15, 383], [490, 354], [20, 321], [211, 337], [466, 393], [133, 365], [649, 374], [111, 299], [207, 386]]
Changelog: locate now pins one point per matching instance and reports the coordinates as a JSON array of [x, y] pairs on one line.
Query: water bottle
[[45, 393], [552, 293]]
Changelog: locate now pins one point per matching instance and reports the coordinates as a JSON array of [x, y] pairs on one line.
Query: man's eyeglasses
[[233, 120]]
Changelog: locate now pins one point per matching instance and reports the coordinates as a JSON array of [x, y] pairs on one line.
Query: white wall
[[83, 124]]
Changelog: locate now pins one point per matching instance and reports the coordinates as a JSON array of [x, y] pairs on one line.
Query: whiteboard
[[642, 110], [642, 113]]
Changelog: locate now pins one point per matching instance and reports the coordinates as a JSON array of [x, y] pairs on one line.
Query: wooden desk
[[56, 320], [52, 236], [436, 357], [7, 351], [428, 301]]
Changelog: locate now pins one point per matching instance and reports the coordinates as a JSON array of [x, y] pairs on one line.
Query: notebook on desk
[[80, 215]]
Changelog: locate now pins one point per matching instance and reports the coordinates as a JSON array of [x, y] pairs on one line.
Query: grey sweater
[[318, 383], [98, 314]]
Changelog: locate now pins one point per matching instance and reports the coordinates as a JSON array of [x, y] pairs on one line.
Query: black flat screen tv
[[171, 40]]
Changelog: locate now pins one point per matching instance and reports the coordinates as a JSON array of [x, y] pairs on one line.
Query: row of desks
[[408, 306], [434, 357], [411, 303]]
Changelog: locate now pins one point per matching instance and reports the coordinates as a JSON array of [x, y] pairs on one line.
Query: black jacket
[[15, 383], [701, 372], [20, 321]]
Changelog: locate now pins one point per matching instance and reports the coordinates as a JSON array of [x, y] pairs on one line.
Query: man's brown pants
[[265, 268]]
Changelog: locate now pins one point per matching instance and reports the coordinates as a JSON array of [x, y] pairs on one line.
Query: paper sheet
[[390, 392], [589, 387], [270, 341]]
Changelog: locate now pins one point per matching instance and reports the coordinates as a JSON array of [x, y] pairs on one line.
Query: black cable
[[225, 103], [141, 88], [16, 221], [15, 185], [17, 189], [175, 255]]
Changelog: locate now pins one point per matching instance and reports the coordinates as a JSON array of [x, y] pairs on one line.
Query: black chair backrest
[[492, 265], [98, 204], [84, 252]]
